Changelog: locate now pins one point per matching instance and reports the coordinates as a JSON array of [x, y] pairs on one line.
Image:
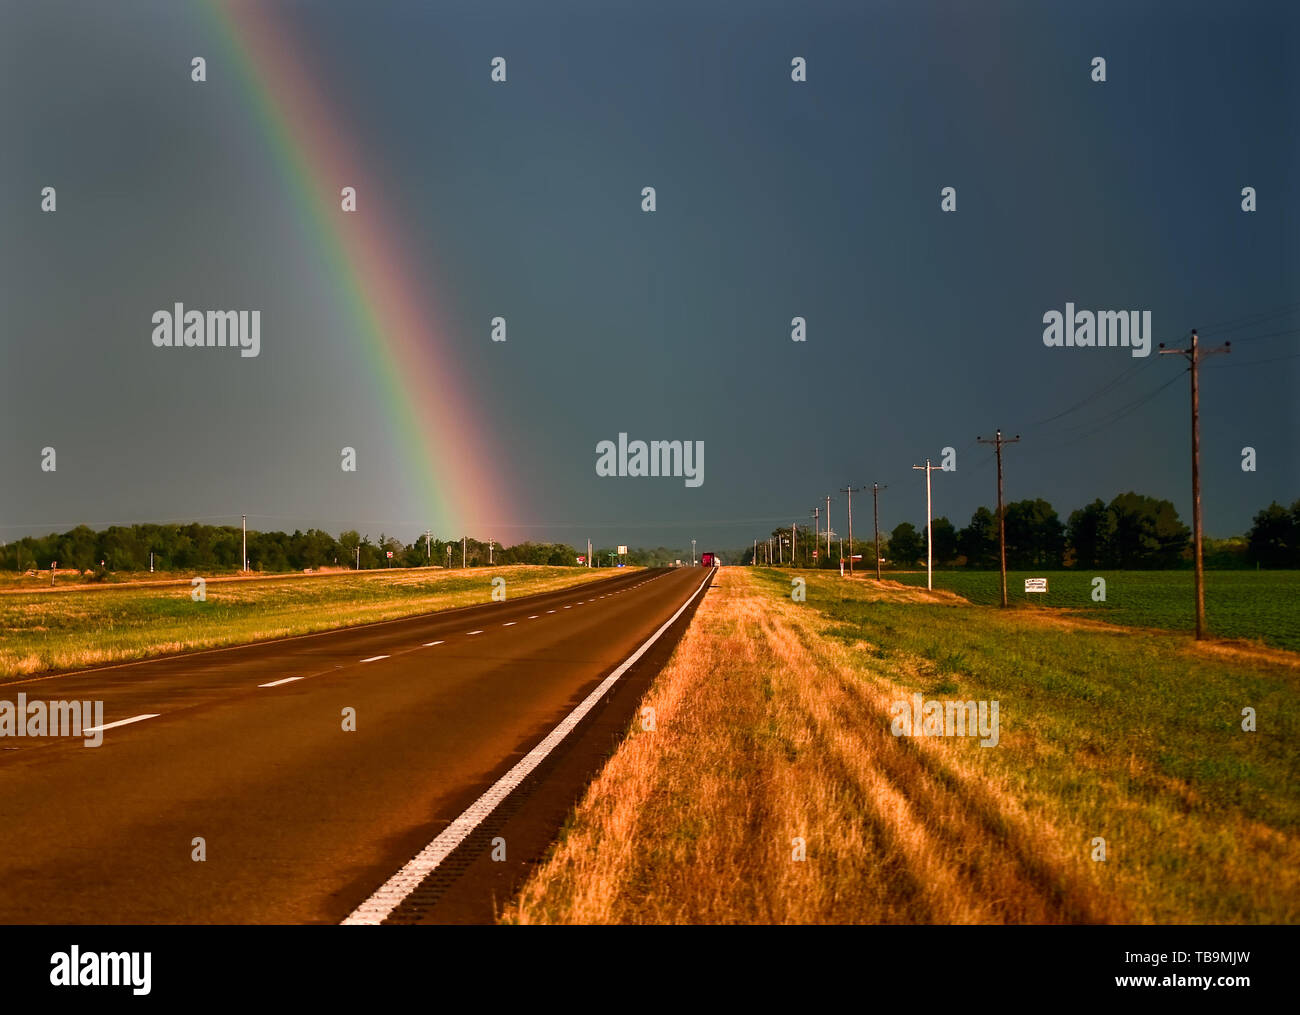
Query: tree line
[[212, 548], [1132, 532]]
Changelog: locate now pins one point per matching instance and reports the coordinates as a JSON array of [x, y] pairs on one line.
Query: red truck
[[708, 560]]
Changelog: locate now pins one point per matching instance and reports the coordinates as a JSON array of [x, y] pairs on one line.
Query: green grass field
[[71, 629], [1257, 605], [1133, 736]]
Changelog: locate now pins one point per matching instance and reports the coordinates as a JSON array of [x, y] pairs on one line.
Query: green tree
[[1090, 533], [905, 545], [77, 549], [978, 541], [944, 542], [1148, 533], [1274, 537], [1035, 535]]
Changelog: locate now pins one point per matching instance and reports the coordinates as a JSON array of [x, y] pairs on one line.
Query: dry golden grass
[[87, 627], [766, 732]]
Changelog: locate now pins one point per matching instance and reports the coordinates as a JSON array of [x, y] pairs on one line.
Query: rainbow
[[393, 313]]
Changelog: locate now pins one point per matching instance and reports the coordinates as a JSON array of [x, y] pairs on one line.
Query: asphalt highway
[[302, 820]]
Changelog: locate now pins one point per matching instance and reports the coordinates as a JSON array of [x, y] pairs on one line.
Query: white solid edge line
[[121, 722], [390, 895], [374, 659], [430, 644], [277, 683]]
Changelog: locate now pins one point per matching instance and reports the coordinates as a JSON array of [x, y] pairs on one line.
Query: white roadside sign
[[1035, 584]]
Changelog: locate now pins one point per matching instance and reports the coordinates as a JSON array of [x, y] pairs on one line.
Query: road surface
[[302, 821]]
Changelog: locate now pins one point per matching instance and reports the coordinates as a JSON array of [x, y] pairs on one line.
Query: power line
[[1253, 362], [1117, 416], [1260, 338], [1224, 327], [1113, 413], [1250, 320], [1113, 417], [1125, 375]]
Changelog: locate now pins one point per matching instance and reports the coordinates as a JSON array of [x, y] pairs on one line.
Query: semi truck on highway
[[708, 560]]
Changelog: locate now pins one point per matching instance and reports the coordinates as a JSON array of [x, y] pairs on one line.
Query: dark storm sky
[[775, 199]]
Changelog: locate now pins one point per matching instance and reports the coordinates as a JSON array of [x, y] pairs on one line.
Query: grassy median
[[74, 629], [773, 735]]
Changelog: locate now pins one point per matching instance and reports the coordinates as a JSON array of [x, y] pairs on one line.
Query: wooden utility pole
[[875, 510], [828, 528], [997, 441], [1194, 354], [929, 525], [850, 490], [817, 533]]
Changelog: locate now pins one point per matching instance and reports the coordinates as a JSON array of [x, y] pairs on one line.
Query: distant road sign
[[1035, 584], [582, 560], [622, 551], [390, 554]]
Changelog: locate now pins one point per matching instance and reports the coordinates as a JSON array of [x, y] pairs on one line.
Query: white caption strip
[[380, 906]]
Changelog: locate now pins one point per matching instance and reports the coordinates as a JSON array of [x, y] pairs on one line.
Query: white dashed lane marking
[[121, 722], [370, 659], [510, 623]]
